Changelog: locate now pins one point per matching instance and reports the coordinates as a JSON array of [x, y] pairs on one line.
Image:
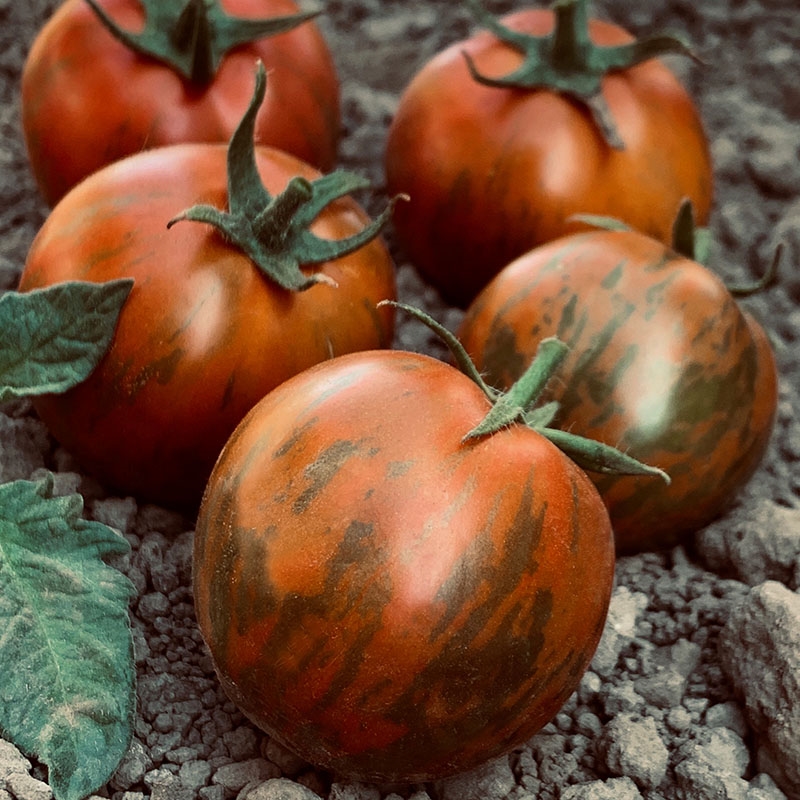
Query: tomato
[[88, 99], [664, 365], [493, 171], [204, 334], [390, 601]]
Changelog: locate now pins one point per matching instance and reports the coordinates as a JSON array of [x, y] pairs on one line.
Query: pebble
[[133, 767], [116, 512], [612, 789], [11, 760], [760, 542], [494, 780], [727, 715], [213, 793], [279, 789], [194, 774], [235, 776], [620, 628], [24, 786], [759, 649], [242, 743], [354, 791], [631, 746], [620, 698]]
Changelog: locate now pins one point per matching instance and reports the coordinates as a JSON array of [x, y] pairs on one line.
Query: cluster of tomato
[[397, 570]]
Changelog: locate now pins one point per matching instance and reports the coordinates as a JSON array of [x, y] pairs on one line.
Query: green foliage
[[66, 652], [53, 338]]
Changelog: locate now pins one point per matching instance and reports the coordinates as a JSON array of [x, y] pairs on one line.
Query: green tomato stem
[[511, 406], [517, 406], [570, 42], [192, 36], [274, 232], [567, 61]]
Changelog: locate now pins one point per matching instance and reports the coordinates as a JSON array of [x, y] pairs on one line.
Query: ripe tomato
[[203, 334], [664, 365], [88, 99], [494, 171], [390, 601]]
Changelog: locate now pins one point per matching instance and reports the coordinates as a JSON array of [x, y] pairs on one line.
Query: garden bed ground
[[695, 690]]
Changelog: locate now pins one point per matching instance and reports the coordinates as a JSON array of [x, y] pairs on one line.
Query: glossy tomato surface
[[663, 365], [387, 601], [492, 172], [204, 334], [88, 100]]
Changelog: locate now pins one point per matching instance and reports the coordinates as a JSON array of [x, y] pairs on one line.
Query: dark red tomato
[[88, 100], [664, 365], [492, 172], [204, 334], [386, 600]]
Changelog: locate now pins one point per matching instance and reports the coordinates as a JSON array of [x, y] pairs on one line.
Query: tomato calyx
[[518, 405], [694, 242], [192, 36], [567, 61], [274, 231]]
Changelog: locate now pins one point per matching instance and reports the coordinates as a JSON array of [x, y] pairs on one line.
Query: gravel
[[694, 692]]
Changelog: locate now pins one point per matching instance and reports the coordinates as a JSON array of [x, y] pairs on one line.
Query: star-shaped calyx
[[192, 36], [568, 61], [274, 230]]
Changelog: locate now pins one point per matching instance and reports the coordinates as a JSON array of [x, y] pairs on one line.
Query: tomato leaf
[[53, 338], [66, 649], [274, 231], [192, 36]]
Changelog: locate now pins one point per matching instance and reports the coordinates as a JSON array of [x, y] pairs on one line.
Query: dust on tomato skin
[[388, 601], [663, 364]]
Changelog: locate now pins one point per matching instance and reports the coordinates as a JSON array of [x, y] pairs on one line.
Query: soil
[[664, 712]]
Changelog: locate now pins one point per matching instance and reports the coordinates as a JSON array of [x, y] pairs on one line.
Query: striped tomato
[[664, 365], [502, 137], [213, 321], [162, 72], [388, 599]]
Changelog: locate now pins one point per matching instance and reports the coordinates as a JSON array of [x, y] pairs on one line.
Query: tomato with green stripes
[[502, 137], [393, 598], [108, 78], [287, 272], [664, 365]]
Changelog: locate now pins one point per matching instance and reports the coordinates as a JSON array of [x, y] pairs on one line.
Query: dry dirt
[[669, 608]]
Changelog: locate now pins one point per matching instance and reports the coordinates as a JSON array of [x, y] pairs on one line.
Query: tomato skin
[[88, 100], [663, 365], [493, 172], [388, 602], [204, 334]]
